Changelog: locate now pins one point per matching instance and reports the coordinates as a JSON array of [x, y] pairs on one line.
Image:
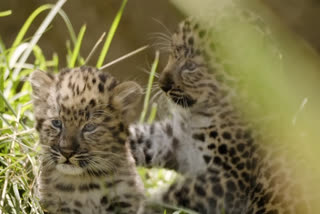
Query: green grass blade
[[5, 13], [71, 31], [55, 62], [1, 91], [40, 58], [132, 53], [5, 101], [2, 69], [32, 17], [26, 26], [149, 87], [38, 35], [69, 26], [153, 113], [76, 50], [110, 35]]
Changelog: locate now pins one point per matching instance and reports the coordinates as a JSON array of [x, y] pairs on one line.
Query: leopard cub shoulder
[[86, 167]]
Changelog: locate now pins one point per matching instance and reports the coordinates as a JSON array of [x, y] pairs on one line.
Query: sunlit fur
[[65, 104]]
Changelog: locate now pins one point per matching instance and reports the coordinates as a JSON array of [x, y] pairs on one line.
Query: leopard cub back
[[81, 117]]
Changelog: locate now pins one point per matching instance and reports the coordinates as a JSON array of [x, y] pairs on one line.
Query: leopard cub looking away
[[81, 116]]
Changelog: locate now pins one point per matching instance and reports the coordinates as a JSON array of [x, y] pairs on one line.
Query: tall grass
[[18, 139]]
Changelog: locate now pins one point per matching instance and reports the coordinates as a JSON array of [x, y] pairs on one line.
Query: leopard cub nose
[[67, 153], [166, 82]]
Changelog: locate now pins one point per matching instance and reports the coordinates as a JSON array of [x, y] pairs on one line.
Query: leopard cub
[[82, 118]]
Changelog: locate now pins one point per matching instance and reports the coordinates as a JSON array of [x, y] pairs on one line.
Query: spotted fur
[[86, 166], [226, 167]]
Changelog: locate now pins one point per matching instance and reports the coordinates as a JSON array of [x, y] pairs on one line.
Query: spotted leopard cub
[[225, 165], [81, 116]]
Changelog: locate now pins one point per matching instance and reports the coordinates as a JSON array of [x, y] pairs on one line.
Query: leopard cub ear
[[126, 96], [41, 83]]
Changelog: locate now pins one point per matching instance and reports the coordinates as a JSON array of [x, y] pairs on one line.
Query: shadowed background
[[136, 27]]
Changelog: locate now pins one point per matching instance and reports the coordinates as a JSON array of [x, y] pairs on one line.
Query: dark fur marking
[[39, 124], [226, 135], [102, 78], [121, 127], [75, 211], [190, 41], [113, 84], [223, 149], [148, 144], [104, 200], [116, 205], [169, 130], [226, 166], [231, 186], [92, 103], [87, 187], [213, 134], [217, 160], [245, 155], [101, 87], [77, 203], [65, 210], [240, 166], [234, 173], [215, 179], [152, 129], [199, 136], [148, 158], [218, 190], [246, 176], [175, 143], [107, 119], [240, 147], [207, 158], [211, 146], [65, 187], [235, 160], [241, 185], [232, 152], [140, 139]]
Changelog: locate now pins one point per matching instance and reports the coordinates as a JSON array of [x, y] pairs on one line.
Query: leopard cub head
[[187, 78], [81, 116]]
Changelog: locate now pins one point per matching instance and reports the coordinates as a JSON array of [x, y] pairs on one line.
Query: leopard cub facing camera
[[86, 167]]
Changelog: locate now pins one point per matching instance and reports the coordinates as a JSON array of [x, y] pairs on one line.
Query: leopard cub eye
[[89, 127], [57, 123], [190, 66]]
